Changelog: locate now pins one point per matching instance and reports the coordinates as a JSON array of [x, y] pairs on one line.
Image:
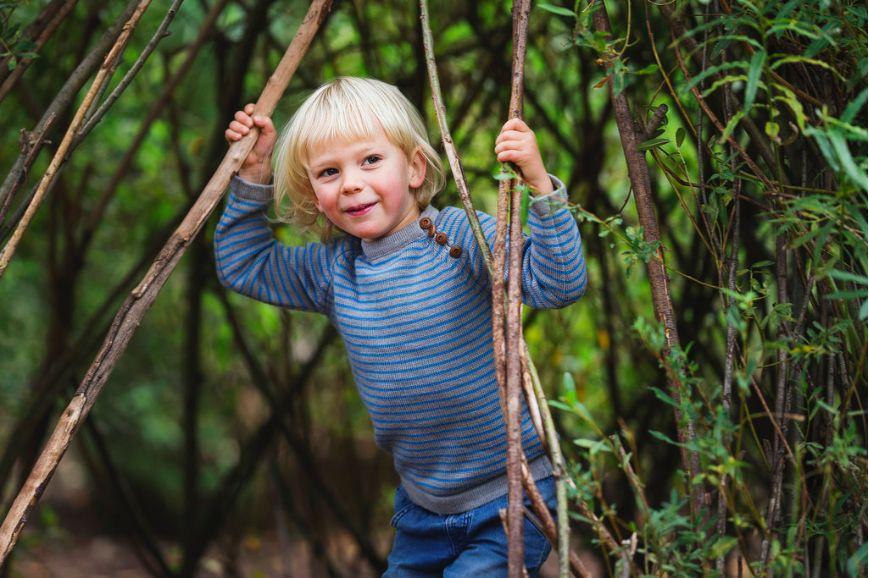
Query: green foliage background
[[794, 75]]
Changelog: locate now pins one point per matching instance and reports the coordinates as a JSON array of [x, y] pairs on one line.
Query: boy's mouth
[[358, 210]]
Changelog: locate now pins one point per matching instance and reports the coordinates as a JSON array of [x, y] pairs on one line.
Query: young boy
[[408, 291]]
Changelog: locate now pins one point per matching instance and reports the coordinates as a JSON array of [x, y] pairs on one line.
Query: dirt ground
[[108, 557]]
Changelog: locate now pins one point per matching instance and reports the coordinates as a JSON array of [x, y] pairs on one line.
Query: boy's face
[[363, 187]]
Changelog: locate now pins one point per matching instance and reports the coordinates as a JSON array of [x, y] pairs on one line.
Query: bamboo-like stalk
[[513, 313], [64, 97], [93, 219], [731, 261], [638, 172], [575, 565], [159, 34], [93, 117], [537, 402], [782, 400], [104, 75], [142, 297]]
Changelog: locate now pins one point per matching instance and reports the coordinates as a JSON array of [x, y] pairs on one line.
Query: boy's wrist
[[256, 177], [541, 187]]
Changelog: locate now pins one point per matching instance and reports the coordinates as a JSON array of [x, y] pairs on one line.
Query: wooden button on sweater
[[441, 239], [425, 224], [455, 251]]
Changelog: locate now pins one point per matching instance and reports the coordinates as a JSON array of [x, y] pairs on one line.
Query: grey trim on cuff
[[549, 203], [251, 191]]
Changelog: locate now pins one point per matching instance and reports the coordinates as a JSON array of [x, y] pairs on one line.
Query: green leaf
[[652, 143], [680, 136], [805, 60], [568, 389], [731, 124], [857, 176], [854, 107], [722, 546], [848, 276], [664, 437], [790, 99], [663, 396], [650, 69], [857, 562], [712, 70], [556, 9], [731, 79], [560, 405], [523, 207], [754, 70]]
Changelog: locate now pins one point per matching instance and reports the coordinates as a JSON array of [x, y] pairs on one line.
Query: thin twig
[[103, 76], [159, 34], [60, 12]]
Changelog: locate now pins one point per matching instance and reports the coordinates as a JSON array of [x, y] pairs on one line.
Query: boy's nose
[[352, 184]]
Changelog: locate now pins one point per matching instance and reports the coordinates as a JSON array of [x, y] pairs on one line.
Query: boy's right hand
[[257, 166]]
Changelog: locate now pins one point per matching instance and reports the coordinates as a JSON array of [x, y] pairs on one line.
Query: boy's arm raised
[[252, 262], [553, 263]]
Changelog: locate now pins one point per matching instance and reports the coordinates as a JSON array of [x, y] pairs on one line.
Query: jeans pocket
[[537, 545], [536, 522], [402, 506]]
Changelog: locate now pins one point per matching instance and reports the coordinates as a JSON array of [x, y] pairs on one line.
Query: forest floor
[[67, 537], [110, 557]]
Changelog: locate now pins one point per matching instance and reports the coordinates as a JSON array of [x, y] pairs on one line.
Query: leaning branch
[[142, 297], [638, 172]]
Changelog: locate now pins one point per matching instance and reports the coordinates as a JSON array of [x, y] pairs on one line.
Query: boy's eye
[[371, 159], [328, 172]]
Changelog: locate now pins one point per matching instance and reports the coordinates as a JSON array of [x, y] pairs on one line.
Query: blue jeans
[[467, 544]]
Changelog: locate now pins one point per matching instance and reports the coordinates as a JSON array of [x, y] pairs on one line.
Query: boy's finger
[[243, 118], [231, 135], [515, 123], [511, 135], [239, 127], [509, 145], [263, 122], [249, 108]]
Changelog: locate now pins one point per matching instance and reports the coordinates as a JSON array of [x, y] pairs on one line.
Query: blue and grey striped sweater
[[416, 322]]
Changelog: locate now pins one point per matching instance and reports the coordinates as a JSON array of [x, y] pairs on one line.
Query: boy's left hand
[[517, 144]]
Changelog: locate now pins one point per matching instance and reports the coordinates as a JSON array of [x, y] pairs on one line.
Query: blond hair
[[347, 108]]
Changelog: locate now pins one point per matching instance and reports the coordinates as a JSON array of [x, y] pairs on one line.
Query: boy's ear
[[416, 169]]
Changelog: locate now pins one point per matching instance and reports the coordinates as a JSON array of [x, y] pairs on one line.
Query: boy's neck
[[398, 239]]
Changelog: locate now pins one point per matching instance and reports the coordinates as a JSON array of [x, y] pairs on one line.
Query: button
[[455, 251], [432, 232], [425, 223], [441, 238]]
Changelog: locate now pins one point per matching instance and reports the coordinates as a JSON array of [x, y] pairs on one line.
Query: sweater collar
[[394, 241]]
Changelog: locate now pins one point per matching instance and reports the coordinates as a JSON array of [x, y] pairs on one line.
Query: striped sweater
[[415, 316]]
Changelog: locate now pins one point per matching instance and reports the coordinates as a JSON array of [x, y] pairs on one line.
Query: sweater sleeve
[[553, 264], [252, 262]]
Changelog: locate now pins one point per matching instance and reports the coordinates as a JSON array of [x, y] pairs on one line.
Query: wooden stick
[[104, 75], [576, 566], [64, 97], [513, 345], [638, 172], [537, 403], [159, 34], [142, 297]]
